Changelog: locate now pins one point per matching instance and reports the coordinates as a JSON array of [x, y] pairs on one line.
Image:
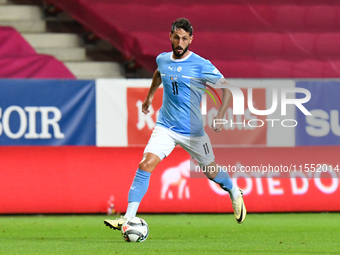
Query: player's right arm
[[156, 82]]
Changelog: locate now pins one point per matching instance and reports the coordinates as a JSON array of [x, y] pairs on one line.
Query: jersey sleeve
[[210, 74], [159, 59]]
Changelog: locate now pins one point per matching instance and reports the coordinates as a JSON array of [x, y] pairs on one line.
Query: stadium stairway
[[65, 44]]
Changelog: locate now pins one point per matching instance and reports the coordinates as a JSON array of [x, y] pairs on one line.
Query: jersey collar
[[181, 59]]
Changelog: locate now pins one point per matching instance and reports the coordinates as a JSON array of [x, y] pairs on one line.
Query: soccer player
[[180, 120]]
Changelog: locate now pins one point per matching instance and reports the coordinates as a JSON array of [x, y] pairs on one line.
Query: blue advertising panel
[[47, 112], [322, 127]]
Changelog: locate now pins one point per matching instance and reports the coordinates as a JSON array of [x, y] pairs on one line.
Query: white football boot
[[115, 224], [240, 210]]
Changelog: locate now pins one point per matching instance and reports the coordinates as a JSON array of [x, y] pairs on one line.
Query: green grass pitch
[[301, 233]]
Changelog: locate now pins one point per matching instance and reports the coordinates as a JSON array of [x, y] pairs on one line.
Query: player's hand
[[145, 106], [217, 126]]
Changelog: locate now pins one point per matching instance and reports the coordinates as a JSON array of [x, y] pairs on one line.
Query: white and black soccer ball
[[135, 230]]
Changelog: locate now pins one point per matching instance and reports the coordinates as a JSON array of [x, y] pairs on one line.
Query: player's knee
[[210, 171], [146, 166], [210, 176]]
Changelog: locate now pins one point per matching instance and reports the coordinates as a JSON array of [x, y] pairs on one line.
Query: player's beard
[[178, 55]]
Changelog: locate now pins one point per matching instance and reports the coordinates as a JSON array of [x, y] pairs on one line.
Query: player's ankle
[[234, 192]]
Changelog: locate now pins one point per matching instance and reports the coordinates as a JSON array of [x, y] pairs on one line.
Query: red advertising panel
[[285, 179], [140, 125], [89, 179]]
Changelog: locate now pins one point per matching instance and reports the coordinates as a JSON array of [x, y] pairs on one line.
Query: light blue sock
[[223, 179], [139, 186]]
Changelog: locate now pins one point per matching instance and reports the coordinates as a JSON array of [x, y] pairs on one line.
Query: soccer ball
[[135, 230]]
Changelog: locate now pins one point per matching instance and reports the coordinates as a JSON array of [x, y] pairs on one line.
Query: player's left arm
[[226, 99], [211, 74], [156, 82]]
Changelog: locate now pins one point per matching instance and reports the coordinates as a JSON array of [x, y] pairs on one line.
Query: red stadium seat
[[244, 39]]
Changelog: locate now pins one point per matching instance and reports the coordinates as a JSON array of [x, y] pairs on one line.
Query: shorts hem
[[160, 154]]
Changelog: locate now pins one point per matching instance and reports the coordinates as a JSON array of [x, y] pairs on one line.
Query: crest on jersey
[[179, 69]]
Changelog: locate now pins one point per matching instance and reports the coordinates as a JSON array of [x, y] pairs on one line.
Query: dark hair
[[182, 23]]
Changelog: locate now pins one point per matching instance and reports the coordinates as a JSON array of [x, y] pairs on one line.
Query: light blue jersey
[[182, 83]]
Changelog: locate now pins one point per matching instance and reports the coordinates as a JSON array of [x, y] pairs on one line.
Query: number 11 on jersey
[[175, 87]]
